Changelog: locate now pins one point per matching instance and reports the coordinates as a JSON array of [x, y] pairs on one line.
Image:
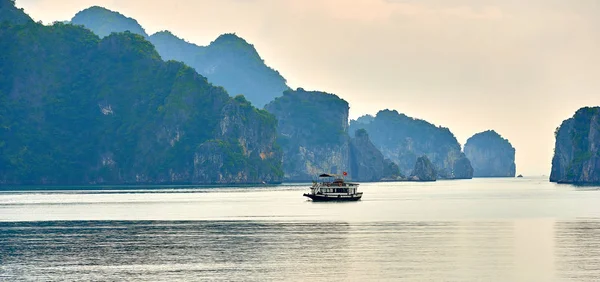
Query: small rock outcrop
[[490, 155], [367, 162], [461, 168], [423, 171], [577, 150], [391, 171], [403, 139]]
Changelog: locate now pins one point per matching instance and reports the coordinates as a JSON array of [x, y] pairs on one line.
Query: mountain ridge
[[107, 22], [229, 60]]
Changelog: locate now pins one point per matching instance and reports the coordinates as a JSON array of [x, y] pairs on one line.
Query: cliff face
[[577, 149], [249, 152], [367, 162], [311, 130], [402, 139], [490, 155], [77, 109], [423, 170], [228, 61]]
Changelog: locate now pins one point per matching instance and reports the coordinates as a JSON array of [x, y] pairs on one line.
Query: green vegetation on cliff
[[228, 61], [311, 130], [77, 109], [490, 155], [313, 133], [232, 62], [322, 116], [577, 149], [10, 13]]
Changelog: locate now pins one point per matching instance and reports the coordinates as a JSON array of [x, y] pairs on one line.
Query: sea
[[486, 229]]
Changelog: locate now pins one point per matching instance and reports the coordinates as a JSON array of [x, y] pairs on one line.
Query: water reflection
[[154, 250], [578, 249], [519, 250], [435, 250]]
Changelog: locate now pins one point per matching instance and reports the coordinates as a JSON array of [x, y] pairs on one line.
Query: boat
[[333, 187]]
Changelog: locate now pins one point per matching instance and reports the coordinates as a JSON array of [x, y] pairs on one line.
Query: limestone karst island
[[97, 100]]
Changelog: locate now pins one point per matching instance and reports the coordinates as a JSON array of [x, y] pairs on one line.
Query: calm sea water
[[472, 230]]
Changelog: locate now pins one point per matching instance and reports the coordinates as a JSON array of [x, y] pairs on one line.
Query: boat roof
[[329, 175]]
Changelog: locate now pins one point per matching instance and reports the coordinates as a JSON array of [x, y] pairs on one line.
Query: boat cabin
[[333, 186]]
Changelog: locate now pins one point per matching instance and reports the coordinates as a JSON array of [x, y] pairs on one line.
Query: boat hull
[[333, 198]]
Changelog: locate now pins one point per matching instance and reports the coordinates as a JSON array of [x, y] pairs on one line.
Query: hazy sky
[[518, 67]]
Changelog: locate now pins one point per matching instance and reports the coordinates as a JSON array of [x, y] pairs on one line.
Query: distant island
[[403, 140], [490, 155]]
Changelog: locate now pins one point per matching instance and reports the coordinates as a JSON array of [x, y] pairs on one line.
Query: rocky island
[[95, 102], [313, 134], [577, 149], [491, 155], [403, 140], [423, 171]]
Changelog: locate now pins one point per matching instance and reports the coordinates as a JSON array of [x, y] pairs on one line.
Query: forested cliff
[[77, 109], [313, 133], [577, 149]]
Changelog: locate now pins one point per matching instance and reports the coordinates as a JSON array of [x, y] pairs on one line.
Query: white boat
[[332, 187]]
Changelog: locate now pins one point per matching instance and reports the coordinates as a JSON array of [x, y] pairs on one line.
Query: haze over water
[[481, 229]]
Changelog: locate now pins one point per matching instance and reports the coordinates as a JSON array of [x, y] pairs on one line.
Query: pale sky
[[518, 67]]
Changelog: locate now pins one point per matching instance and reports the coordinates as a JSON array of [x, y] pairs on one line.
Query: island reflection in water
[[520, 250]]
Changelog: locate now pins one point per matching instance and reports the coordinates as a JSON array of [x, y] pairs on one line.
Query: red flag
[[345, 173]]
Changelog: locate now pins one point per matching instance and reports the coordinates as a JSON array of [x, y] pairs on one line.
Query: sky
[[517, 67]]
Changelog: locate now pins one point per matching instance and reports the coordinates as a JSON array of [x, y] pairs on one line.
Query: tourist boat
[[332, 187]]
